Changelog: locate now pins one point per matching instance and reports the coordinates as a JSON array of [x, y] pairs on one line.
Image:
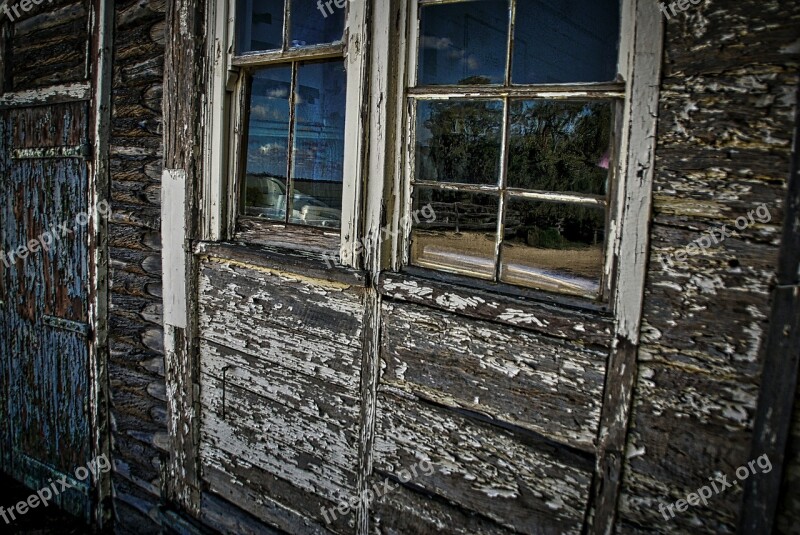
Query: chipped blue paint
[[43, 366]]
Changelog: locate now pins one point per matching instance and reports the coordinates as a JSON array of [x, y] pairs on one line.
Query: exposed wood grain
[[547, 386], [562, 322], [527, 485]]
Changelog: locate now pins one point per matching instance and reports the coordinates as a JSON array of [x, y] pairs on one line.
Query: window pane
[[553, 246], [259, 25], [459, 141], [318, 154], [461, 238], [314, 23], [463, 43], [560, 146], [264, 191], [564, 41]]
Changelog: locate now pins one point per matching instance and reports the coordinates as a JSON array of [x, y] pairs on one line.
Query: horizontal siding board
[[312, 397], [405, 511], [285, 428], [222, 443], [327, 310], [587, 327], [271, 499], [528, 486], [545, 385]]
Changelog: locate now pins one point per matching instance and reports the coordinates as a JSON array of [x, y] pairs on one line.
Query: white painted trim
[[216, 131], [46, 95], [173, 246], [355, 144], [101, 24], [637, 165]]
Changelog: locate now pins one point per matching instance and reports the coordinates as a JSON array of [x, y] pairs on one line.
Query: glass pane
[[463, 43], [459, 141], [460, 238], [264, 191], [259, 25], [553, 246], [565, 41], [314, 23], [318, 153], [560, 146]]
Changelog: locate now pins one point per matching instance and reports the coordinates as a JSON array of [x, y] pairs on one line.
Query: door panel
[[45, 371]]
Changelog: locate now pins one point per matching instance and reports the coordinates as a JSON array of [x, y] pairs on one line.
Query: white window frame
[[622, 91], [223, 128]]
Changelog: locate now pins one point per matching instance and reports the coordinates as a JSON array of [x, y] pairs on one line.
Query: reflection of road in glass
[[575, 270]]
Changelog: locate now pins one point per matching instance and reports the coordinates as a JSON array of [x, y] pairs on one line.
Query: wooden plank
[[406, 511], [307, 264], [50, 46], [524, 484], [630, 245], [183, 117], [547, 386], [325, 310], [317, 399], [288, 430], [779, 379], [273, 500], [309, 473], [591, 329]]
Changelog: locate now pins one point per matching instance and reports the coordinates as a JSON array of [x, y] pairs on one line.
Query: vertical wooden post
[[183, 154], [102, 25], [781, 367], [631, 250]]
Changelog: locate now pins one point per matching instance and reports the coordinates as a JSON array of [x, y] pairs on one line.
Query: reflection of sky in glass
[[259, 25], [566, 41], [461, 41], [320, 114], [310, 27], [268, 134]]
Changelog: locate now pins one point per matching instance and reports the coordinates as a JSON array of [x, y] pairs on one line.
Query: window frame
[[618, 92], [226, 120]]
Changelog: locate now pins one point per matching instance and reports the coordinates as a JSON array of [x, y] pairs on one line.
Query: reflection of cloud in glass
[[278, 92], [437, 43], [267, 113]]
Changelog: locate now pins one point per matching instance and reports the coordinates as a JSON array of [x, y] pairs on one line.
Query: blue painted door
[[44, 366]]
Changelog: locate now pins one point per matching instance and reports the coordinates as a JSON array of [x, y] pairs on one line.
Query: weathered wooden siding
[[136, 367], [49, 45], [724, 143], [280, 359], [789, 509], [501, 395]]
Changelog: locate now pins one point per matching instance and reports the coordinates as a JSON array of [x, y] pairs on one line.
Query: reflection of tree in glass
[[558, 226], [464, 142], [559, 146]]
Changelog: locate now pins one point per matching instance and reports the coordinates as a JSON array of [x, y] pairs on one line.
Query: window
[[514, 106], [289, 155]]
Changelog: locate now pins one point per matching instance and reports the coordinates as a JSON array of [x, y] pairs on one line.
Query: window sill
[[318, 240], [310, 264]]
